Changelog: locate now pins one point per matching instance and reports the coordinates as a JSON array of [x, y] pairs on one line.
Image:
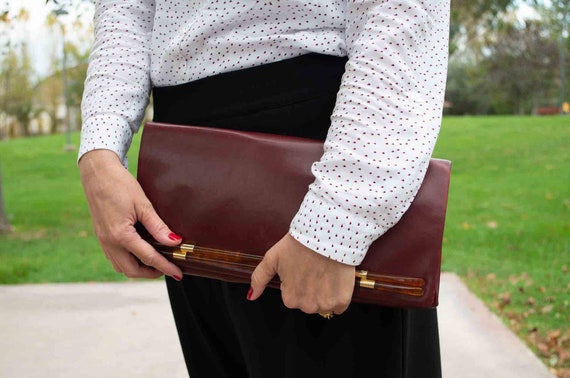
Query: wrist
[[99, 158], [98, 164]]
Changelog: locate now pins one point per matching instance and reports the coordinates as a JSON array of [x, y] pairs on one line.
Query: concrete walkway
[[125, 330]]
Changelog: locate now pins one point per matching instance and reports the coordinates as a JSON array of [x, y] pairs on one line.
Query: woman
[[366, 76]]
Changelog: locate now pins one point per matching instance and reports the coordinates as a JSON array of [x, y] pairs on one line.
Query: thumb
[[156, 226], [263, 273]]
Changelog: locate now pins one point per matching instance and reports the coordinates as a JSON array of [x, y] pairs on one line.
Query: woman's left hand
[[309, 281]]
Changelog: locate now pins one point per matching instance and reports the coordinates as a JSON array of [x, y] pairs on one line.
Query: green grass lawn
[[52, 239], [508, 222], [507, 231]]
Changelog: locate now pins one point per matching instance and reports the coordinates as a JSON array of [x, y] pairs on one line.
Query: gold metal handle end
[[183, 249]]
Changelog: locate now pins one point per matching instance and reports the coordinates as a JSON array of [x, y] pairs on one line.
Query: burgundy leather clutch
[[231, 195]]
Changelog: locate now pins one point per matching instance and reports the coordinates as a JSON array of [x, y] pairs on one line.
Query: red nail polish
[[173, 236], [249, 294], [177, 278]]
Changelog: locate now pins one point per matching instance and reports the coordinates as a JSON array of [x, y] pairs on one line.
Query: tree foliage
[[501, 64], [16, 75], [22, 94], [470, 17], [513, 72], [521, 66]]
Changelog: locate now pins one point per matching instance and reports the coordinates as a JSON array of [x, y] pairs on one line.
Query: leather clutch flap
[[231, 195]]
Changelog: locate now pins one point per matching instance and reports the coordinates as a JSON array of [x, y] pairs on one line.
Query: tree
[[557, 12], [521, 65], [470, 18], [512, 72], [500, 63], [16, 74], [466, 88], [68, 65], [4, 223]]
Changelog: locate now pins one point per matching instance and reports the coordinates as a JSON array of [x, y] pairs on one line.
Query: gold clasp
[[362, 274], [363, 281], [369, 284], [181, 251]]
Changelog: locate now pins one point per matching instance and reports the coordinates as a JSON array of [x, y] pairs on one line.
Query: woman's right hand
[[117, 202]]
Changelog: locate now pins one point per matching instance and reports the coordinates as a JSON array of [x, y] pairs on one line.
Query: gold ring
[[327, 315]]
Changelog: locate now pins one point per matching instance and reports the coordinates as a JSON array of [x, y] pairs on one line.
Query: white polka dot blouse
[[388, 109]]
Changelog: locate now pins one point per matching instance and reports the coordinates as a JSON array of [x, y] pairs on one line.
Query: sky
[[42, 41]]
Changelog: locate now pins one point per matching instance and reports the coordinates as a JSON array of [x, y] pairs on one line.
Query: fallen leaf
[[554, 334], [491, 277], [542, 348], [492, 224], [465, 226], [547, 309], [563, 355], [531, 301], [532, 336], [548, 196], [504, 299]]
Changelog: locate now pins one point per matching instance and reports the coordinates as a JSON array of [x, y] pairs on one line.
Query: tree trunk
[[53, 121], [4, 224]]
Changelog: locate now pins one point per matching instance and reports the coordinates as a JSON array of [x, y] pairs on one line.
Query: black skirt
[[224, 335]]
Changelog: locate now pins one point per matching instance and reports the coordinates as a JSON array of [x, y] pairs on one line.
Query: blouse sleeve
[[118, 80], [384, 126]]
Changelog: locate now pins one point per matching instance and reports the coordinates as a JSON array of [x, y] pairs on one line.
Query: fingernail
[[173, 236], [177, 278], [249, 293]]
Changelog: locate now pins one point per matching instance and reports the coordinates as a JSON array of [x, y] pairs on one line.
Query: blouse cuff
[[108, 132], [332, 232]]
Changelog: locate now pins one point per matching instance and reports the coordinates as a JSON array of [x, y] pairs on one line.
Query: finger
[[155, 225], [124, 262], [263, 273], [342, 296], [341, 307], [136, 269], [344, 302], [148, 256]]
